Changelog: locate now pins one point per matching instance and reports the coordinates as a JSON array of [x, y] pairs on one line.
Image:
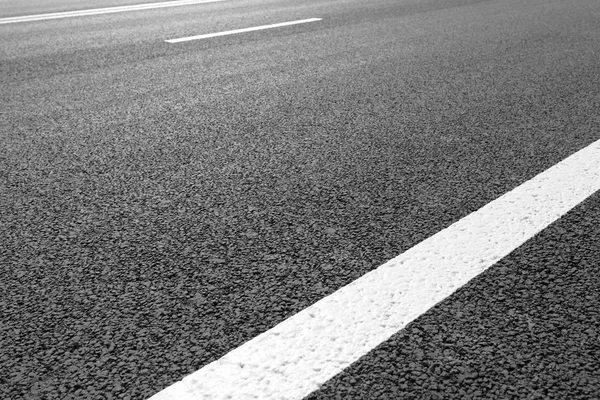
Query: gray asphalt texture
[[162, 204], [527, 328]]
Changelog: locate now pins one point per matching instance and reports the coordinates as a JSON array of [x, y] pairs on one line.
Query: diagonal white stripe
[[98, 11], [233, 32], [295, 357]]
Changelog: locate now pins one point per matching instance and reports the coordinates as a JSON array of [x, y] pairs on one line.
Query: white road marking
[[295, 357], [233, 32], [98, 11]]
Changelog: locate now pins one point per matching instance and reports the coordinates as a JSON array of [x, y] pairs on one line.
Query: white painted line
[[98, 11], [233, 32], [295, 357]]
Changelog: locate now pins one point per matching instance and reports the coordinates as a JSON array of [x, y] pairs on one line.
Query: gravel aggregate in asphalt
[[164, 208], [526, 328]]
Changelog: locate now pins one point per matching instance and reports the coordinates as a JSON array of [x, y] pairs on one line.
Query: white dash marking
[[243, 30], [98, 11], [298, 355]]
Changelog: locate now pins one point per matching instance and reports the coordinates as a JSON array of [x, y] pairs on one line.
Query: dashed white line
[[98, 11], [235, 31], [295, 357]]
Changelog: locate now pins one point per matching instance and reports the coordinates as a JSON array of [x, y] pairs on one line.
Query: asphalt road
[[161, 204], [525, 329]]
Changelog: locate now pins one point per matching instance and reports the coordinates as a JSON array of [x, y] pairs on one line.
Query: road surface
[[161, 204]]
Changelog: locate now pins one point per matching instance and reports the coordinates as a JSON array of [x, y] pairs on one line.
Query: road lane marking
[[98, 11], [235, 31], [298, 355]]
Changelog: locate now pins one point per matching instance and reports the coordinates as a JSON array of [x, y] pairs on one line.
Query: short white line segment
[[233, 32], [295, 357], [98, 11]]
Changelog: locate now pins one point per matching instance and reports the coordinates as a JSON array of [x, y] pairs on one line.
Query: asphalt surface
[[527, 328], [162, 204]]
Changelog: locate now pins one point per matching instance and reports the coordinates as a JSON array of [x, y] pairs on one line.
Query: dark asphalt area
[[527, 328], [163, 204]]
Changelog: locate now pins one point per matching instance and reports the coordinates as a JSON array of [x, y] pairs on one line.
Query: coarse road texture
[[527, 328], [161, 204]]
